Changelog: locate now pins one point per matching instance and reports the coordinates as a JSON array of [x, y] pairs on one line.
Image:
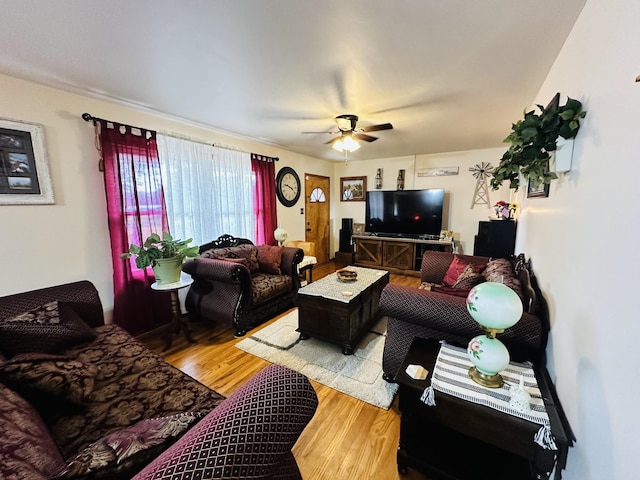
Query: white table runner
[[334, 289], [450, 376]]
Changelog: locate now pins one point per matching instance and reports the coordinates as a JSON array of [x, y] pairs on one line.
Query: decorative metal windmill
[[481, 171]]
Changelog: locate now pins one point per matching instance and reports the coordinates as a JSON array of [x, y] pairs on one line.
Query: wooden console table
[[398, 255]]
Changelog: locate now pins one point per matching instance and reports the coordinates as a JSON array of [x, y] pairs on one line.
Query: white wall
[[581, 240], [459, 189], [43, 245]]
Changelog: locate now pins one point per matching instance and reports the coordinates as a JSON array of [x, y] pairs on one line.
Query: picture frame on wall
[[358, 228], [353, 189], [24, 170], [540, 191]]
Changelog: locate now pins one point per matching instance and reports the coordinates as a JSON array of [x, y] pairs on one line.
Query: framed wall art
[[358, 228], [24, 171], [353, 189]]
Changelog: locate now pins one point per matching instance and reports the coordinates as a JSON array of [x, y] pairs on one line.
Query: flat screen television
[[410, 213]]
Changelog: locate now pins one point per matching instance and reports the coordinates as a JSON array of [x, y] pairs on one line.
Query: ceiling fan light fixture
[[346, 144]]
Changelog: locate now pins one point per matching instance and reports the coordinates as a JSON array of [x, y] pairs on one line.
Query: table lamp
[[280, 234], [495, 307]]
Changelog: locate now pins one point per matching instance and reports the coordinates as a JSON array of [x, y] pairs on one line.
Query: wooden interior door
[[316, 202]]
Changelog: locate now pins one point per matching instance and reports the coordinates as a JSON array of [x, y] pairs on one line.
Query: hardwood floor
[[347, 438]]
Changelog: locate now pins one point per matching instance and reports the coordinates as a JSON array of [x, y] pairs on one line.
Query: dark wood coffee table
[[341, 312]]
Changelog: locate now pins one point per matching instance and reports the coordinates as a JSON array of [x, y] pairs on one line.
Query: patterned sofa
[[84, 400], [240, 284], [438, 308]]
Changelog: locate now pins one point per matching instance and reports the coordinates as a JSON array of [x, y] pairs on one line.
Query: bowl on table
[[346, 275]]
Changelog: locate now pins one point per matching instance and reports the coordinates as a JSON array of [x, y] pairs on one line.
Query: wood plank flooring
[[346, 439]]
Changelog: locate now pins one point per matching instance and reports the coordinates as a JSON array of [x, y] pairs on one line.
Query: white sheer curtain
[[207, 189]]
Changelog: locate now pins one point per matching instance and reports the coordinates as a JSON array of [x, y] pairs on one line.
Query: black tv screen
[[405, 212]]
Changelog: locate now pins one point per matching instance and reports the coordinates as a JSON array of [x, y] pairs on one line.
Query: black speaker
[[345, 240], [347, 223]]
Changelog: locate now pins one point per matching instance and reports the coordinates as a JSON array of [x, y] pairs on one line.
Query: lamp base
[[490, 381]]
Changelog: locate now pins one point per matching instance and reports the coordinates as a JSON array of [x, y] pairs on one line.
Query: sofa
[[437, 309], [83, 400], [240, 284]]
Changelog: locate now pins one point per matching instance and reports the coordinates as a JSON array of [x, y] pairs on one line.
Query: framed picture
[[539, 191], [24, 171], [358, 228], [353, 189]]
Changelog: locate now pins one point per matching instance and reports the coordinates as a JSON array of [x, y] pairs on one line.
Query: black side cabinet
[[495, 238]]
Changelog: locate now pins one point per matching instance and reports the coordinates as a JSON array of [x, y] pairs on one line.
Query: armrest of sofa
[[247, 435], [291, 257]]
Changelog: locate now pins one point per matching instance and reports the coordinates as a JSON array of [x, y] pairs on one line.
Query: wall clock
[[288, 186]]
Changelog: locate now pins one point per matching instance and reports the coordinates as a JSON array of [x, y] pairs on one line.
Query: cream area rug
[[358, 375]]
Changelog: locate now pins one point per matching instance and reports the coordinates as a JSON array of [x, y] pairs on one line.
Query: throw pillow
[[39, 373], [500, 270], [127, 450], [247, 252], [47, 329], [470, 277], [456, 267], [269, 258]]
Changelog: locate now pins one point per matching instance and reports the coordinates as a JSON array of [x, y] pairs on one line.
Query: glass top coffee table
[[341, 312]]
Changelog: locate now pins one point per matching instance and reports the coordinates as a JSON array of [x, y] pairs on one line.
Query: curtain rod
[[87, 117]]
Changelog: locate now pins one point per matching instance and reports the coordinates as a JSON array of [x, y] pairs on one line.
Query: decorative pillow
[[27, 450], [457, 266], [269, 258], [470, 277], [241, 261], [500, 270], [46, 329], [248, 252], [127, 450], [59, 376]]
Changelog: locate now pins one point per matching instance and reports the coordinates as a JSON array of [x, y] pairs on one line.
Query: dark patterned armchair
[[240, 284], [438, 311]]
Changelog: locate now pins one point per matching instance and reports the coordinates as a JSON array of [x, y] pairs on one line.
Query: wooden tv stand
[[395, 254]]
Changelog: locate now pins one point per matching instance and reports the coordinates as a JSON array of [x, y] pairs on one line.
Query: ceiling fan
[[349, 132]]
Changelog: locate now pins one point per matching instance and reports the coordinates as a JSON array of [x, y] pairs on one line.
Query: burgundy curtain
[[264, 198], [136, 208]]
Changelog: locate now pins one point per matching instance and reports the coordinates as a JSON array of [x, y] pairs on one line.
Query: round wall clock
[[288, 186]]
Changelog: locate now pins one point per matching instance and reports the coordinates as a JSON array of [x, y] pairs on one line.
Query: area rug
[[358, 375]]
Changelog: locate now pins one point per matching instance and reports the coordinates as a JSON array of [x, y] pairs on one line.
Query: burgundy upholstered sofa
[[440, 313], [240, 284], [84, 400]]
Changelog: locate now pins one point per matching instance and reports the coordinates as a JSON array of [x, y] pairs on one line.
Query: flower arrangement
[[505, 210]]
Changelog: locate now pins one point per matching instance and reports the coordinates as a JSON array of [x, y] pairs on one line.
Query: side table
[[458, 439], [177, 320]]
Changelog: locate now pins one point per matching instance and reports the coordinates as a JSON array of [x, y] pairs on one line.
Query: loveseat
[[438, 308], [240, 284], [84, 400]]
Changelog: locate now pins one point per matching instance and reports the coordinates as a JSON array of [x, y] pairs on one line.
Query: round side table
[[177, 320]]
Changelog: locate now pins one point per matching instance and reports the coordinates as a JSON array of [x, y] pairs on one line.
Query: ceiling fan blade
[[376, 128], [366, 138], [319, 132], [332, 141]]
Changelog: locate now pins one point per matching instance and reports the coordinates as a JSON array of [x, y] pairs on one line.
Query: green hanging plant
[[532, 139]]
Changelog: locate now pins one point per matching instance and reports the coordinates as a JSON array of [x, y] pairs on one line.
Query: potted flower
[[165, 255], [532, 141]]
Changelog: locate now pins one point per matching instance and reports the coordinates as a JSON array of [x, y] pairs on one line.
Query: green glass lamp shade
[[280, 234], [494, 305]]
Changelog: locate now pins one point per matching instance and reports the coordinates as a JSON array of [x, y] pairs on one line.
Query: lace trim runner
[[450, 376], [332, 288]]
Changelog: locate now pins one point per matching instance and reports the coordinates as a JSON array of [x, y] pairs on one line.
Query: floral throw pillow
[[47, 329], [127, 450], [269, 258], [457, 267], [500, 270], [469, 278]]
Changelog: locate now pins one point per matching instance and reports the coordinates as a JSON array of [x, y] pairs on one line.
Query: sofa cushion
[[134, 384], [500, 270], [46, 329], [123, 453], [248, 252], [269, 259], [36, 374], [457, 267], [266, 286], [27, 451]]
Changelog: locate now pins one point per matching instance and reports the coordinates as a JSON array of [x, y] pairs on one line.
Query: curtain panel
[[207, 189], [135, 209], [264, 198]]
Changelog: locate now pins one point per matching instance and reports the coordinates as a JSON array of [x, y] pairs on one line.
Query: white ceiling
[[448, 74]]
